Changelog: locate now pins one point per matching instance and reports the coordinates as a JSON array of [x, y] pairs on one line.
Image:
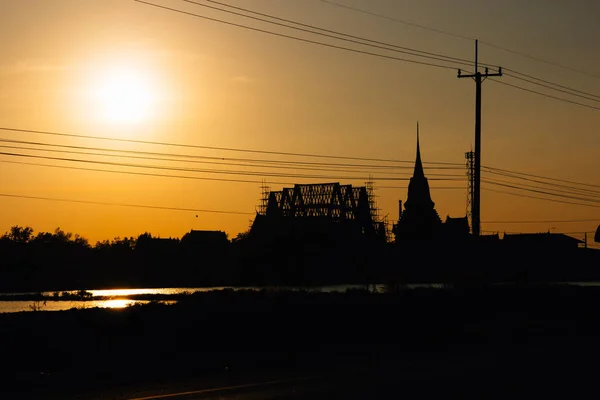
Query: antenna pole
[[479, 78]]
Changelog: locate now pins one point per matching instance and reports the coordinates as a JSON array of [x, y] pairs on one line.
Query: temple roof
[[418, 187], [418, 165]]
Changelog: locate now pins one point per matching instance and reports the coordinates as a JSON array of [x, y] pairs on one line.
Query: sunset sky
[[120, 69]]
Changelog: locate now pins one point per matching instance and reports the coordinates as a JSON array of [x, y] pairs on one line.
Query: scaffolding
[[370, 186], [327, 202], [470, 164], [264, 200]]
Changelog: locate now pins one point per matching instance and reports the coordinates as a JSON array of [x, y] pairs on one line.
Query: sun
[[124, 95]]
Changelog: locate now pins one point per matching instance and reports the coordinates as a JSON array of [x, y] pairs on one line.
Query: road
[[412, 379], [330, 387], [481, 376]]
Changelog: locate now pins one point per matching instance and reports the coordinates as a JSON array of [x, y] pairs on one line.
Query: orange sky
[[66, 62]]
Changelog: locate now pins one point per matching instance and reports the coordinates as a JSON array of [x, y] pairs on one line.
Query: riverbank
[[58, 266], [528, 332]]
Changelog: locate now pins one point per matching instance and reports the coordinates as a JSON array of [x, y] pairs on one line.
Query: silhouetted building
[[419, 220], [209, 240], [455, 228], [540, 241], [489, 239], [334, 212], [156, 245]]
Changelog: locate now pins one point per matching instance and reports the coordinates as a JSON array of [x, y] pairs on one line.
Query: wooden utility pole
[[479, 78]]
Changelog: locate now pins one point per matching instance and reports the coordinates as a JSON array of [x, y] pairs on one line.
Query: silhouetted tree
[[240, 237], [19, 234], [143, 241], [61, 236], [81, 241]]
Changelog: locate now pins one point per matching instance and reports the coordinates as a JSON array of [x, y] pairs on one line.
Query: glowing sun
[[125, 96]]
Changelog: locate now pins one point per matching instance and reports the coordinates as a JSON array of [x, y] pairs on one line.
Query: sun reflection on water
[[117, 303]]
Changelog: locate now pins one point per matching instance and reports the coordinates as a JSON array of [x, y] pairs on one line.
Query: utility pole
[[479, 78]]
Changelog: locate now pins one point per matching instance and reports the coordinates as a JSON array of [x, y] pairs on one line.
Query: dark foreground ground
[[488, 342]]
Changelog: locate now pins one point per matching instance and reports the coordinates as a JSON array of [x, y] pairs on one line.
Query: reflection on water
[[51, 305], [118, 303], [118, 298], [133, 292], [175, 291]]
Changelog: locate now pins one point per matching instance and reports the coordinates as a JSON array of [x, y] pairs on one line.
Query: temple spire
[[418, 165]]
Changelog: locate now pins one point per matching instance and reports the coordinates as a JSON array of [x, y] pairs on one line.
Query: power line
[[197, 161], [544, 83], [283, 183], [145, 173], [354, 50], [378, 44], [432, 187], [525, 185], [551, 83], [541, 177], [396, 20], [537, 232], [542, 192], [293, 37], [582, 191], [492, 169], [217, 148], [181, 176], [194, 156], [270, 165], [539, 198], [548, 86], [249, 181], [557, 221], [541, 60], [574, 233], [460, 37], [546, 95], [123, 204], [227, 172]]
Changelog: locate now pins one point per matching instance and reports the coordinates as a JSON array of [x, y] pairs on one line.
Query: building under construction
[[329, 213]]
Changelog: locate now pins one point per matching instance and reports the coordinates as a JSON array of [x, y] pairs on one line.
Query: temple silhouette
[[419, 220], [335, 213]]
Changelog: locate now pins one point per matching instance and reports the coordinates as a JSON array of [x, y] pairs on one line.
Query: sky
[[123, 72]]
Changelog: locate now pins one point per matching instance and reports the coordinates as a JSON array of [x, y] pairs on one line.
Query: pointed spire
[[418, 166]]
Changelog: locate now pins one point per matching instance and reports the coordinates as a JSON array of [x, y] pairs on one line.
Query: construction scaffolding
[[370, 185], [470, 164], [326, 202], [264, 200]]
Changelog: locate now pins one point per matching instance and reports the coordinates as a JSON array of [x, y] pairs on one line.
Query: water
[[119, 298], [175, 291], [52, 305]]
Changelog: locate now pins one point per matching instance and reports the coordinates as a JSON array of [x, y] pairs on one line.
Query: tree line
[[62, 260], [59, 260]]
